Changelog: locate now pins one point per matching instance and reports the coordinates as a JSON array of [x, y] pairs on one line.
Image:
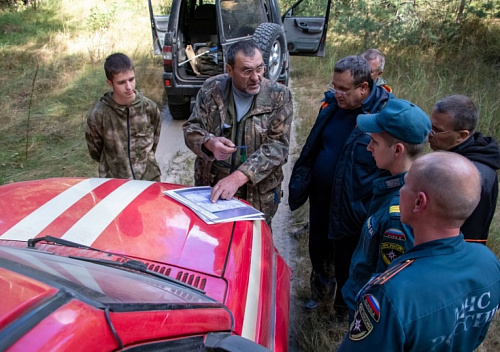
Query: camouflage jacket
[[264, 130], [123, 139]]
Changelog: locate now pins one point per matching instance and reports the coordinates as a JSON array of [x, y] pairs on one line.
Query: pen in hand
[[240, 147]]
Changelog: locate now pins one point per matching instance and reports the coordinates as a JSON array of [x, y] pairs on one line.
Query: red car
[[110, 264]]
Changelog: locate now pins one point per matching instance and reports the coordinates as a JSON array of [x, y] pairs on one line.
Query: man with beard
[[240, 131]]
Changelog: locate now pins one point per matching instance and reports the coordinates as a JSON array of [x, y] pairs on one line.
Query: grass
[[65, 42], [52, 74]]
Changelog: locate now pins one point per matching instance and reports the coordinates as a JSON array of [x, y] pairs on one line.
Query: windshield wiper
[[128, 264], [56, 240]]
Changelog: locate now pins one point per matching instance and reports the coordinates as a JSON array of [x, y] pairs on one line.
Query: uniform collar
[[388, 184], [442, 246]]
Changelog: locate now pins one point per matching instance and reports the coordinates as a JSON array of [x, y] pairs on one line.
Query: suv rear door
[[305, 26]]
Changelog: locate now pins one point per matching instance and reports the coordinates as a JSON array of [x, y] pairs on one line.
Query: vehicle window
[[309, 8], [241, 17], [161, 7]]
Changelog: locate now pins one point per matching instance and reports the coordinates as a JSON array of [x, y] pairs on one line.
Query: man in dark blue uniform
[[442, 294], [398, 136]]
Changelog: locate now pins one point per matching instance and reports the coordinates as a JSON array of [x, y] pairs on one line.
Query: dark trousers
[[322, 279], [321, 253], [344, 249], [330, 258]]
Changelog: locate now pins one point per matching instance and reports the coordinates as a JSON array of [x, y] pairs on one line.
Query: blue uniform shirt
[[439, 296], [383, 237]]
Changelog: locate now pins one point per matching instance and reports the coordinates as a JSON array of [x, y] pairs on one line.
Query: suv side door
[[306, 35]]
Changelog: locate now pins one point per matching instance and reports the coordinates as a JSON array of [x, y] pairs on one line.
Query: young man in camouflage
[[123, 128], [240, 131]]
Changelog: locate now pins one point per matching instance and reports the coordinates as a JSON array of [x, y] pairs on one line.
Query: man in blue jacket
[[399, 135], [335, 171], [442, 294]]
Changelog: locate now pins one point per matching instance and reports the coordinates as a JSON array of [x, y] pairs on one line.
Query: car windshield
[[241, 17], [106, 285]]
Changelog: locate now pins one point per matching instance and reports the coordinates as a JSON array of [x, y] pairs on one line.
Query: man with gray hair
[[376, 60], [335, 172], [442, 294], [454, 120], [240, 131]]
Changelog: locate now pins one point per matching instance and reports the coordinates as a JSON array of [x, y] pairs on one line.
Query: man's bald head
[[451, 183]]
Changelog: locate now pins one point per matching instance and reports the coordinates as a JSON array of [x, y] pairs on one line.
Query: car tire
[[270, 39], [180, 111]]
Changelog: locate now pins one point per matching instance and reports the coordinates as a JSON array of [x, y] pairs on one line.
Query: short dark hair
[[412, 150], [359, 68], [373, 54], [462, 110], [117, 63], [248, 48]]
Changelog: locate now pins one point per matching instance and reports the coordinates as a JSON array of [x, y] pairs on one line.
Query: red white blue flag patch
[[372, 306]]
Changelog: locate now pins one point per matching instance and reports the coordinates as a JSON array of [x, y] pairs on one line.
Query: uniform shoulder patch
[[361, 326], [372, 306], [391, 272], [395, 234], [390, 250]]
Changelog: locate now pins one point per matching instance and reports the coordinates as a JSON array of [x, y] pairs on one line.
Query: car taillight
[[167, 55]]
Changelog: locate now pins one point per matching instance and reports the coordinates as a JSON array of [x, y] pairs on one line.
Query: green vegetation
[[51, 64], [51, 59]]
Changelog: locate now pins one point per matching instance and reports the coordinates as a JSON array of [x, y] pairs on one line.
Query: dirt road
[[176, 164], [172, 154]]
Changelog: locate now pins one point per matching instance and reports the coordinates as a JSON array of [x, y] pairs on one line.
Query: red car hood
[[128, 217]]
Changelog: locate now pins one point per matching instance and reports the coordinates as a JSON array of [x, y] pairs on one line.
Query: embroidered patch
[[395, 234], [361, 325], [395, 182], [372, 306], [390, 251], [369, 226], [394, 209]]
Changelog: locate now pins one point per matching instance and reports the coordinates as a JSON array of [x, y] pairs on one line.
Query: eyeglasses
[[331, 88], [259, 70], [432, 133]]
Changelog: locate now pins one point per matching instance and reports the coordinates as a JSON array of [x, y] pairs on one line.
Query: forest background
[[52, 51]]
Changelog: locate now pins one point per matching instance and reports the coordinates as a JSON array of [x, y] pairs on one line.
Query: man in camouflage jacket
[[241, 152], [123, 128]]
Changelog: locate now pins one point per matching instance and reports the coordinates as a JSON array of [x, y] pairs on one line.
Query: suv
[[195, 35]]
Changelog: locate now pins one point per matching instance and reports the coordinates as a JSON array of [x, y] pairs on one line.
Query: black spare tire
[[270, 39]]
